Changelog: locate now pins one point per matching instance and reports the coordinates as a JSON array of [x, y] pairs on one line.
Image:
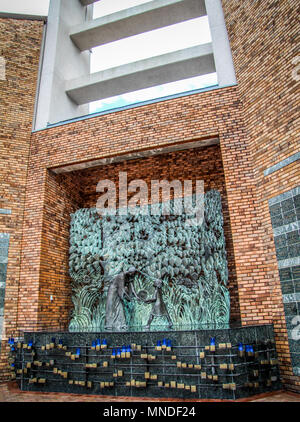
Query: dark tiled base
[[186, 345]]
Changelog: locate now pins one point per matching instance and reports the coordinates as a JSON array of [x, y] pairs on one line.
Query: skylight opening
[[161, 91], [146, 45], [149, 44]]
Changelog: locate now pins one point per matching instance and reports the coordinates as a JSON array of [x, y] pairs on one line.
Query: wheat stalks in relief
[[190, 260]]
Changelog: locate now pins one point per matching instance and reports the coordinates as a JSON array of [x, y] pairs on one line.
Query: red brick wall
[[210, 114], [20, 42], [64, 194], [215, 113], [254, 123], [199, 163], [264, 38], [62, 197]]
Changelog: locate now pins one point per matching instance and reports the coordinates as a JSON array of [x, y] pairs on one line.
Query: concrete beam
[[87, 2], [22, 16], [171, 67], [220, 42], [135, 20], [134, 155], [61, 60]]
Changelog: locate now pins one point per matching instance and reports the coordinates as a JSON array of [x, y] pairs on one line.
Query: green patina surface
[[189, 259], [4, 244]]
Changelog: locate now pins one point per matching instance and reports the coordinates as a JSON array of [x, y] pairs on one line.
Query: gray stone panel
[[4, 243], [282, 164], [285, 217]]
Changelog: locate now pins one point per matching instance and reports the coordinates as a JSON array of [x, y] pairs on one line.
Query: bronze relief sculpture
[[159, 308], [190, 261], [120, 288]]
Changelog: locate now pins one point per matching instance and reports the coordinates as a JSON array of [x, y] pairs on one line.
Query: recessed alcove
[[69, 191]]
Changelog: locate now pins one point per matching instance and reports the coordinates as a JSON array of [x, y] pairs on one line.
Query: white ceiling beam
[[171, 67], [135, 20]]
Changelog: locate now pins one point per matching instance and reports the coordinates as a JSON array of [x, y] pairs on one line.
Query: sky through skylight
[[175, 37], [161, 41]]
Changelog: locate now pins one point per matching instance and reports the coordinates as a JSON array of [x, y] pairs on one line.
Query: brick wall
[[66, 193], [4, 245], [196, 117], [256, 128], [264, 38], [62, 197], [20, 47]]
